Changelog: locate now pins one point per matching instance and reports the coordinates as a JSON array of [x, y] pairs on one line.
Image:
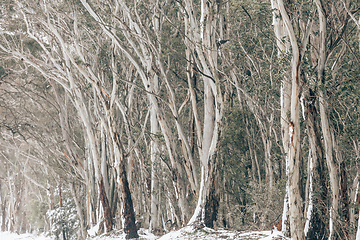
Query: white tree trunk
[[285, 93], [296, 226], [203, 35], [328, 136], [155, 167], [144, 69], [333, 173]]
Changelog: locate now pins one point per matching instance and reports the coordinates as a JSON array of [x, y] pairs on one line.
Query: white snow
[[330, 224], [26, 236], [190, 232], [274, 235], [302, 107], [119, 235], [310, 207], [186, 233], [94, 230]]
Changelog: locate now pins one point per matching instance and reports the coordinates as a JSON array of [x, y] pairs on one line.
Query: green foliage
[[250, 54], [64, 220], [265, 205], [36, 210], [234, 164], [32, 46], [2, 71], [248, 197]]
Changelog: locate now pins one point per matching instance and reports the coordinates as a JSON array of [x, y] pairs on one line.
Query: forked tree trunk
[[95, 157], [85, 118], [143, 67], [128, 208], [202, 33], [120, 160]]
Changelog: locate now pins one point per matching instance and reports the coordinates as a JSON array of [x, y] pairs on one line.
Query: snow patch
[[186, 233], [191, 232], [310, 207], [120, 235], [26, 236], [274, 235], [94, 230], [331, 224]]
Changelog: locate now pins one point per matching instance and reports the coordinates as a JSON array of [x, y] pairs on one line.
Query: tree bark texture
[[203, 31], [319, 215], [128, 208], [155, 171], [285, 100], [295, 201], [327, 134], [80, 211], [106, 207]]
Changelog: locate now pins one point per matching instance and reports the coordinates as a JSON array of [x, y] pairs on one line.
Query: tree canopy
[[232, 114]]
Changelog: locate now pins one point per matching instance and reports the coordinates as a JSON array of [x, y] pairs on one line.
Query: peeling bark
[[327, 133], [205, 61], [128, 208], [285, 100], [106, 207], [318, 221], [296, 226]]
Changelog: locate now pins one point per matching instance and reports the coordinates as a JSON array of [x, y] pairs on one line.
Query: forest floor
[[186, 233]]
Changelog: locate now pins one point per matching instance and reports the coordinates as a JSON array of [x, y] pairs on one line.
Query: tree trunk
[[3, 205], [212, 202], [128, 208], [333, 172], [295, 201], [127, 203], [3, 214], [120, 163], [285, 93], [155, 173], [344, 201], [344, 212], [317, 216], [106, 206], [80, 211], [354, 201], [61, 205], [85, 118], [104, 161], [206, 59]]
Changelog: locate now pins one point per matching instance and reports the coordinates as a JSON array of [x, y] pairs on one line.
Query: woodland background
[[164, 113]]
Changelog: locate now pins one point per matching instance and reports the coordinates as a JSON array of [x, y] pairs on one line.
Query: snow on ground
[[93, 231], [144, 234], [186, 233], [191, 233], [26, 236]]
